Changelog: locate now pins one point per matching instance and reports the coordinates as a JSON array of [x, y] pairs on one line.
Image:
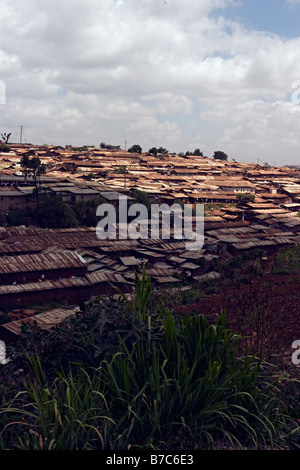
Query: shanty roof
[[166, 279], [160, 272], [40, 262], [45, 320], [129, 261], [113, 195], [45, 285], [101, 277]]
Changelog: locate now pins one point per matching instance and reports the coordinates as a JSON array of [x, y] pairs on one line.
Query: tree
[[86, 211], [121, 170], [54, 213], [25, 165], [135, 149], [35, 168], [103, 145], [142, 198], [219, 155], [198, 153], [153, 151], [14, 218], [162, 150], [6, 137], [245, 198]]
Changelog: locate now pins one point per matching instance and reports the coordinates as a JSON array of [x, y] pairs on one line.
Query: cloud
[[152, 72]]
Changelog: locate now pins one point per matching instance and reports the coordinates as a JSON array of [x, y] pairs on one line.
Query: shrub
[[14, 218], [167, 383], [4, 148], [54, 213]]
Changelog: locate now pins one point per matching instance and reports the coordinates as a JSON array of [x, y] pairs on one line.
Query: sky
[[208, 74]]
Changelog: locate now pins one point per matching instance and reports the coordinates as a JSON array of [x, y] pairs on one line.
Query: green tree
[[85, 211], [219, 155], [135, 149], [245, 198], [54, 213], [121, 170], [162, 150], [153, 151], [35, 168], [142, 198], [25, 165], [14, 218]]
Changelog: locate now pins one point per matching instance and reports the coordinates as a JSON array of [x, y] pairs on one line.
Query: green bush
[[16, 217], [287, 261], [54, 213], [154, 381], [4, 148], [185, 387]]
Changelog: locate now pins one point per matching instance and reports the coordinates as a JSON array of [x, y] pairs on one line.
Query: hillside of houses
[[72, 265]]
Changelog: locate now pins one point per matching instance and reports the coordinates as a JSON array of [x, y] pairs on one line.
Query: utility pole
[[21, 134]]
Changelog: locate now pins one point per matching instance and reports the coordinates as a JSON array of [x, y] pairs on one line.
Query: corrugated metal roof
[[231, 231], [157, 272], [66, 239], [253, 244], [129, 260], [166, 279], [95, 267], [44, 285], [113, 195], [45, 320], [176, 259], [192, 254], [170, 246], [102, 277], [149, 253], [118, 245], [39, 262], [189, 265]]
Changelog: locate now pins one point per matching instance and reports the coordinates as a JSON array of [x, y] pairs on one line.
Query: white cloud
[[152, 72]]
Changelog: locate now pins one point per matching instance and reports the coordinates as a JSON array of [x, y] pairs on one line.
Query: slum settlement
[[71, 265]]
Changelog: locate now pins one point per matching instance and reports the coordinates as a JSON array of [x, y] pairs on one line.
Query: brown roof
[[39, 262], [45, 320]]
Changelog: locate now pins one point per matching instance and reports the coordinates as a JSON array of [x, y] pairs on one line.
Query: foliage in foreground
[[169, 383]]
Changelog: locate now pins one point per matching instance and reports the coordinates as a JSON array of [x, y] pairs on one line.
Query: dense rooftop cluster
[[72, 265]]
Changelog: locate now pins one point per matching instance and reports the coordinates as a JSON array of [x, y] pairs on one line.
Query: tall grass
[[183, 387]]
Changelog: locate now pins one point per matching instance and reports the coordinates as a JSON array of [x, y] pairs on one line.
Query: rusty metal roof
[[160, 272], [102, 277], [45, 320], [129, 260], [166, 279], [44, 285], [39, 262]]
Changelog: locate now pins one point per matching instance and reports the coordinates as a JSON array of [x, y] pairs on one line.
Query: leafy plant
[[166, 382]]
